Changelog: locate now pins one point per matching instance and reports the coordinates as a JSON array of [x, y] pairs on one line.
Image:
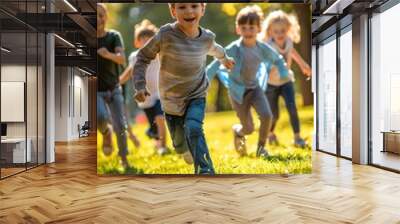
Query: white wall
[[71, 94], [61, 103], [80, 110]]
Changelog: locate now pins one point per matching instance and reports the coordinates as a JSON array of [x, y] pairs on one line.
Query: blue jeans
[[187, 134], [151, 114], [287, 91], [113, 102]]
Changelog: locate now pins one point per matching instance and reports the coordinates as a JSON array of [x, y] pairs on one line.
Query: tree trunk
[[304, 49]]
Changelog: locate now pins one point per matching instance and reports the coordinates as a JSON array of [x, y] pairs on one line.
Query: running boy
[[151, 106], [183, 47], [245, 83], [110, 54]]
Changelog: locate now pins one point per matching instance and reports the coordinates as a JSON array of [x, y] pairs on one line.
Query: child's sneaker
[[107, 144], [206, 172], [273, 140], [239, 141], [299, 142], [187, 156], [162, 151], [261, 152], [151, 134], [124, 163]]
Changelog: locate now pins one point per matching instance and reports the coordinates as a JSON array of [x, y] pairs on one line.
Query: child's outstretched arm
[[126, 75], [305, 68], [118, 57], [128, 72], [215, 67], [143, 59], [212, 69], [280, 63], [218, 52], [273, 57]]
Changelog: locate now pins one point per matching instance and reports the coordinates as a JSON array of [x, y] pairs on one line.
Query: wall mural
[[195, 88]]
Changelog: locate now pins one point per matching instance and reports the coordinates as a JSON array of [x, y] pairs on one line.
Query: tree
[[220, 18], [304, 49]]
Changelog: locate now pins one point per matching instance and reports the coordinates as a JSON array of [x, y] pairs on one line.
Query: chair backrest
[[86, 125]]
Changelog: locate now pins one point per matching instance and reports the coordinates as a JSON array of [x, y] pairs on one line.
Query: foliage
[[123, 18], [219, 17]]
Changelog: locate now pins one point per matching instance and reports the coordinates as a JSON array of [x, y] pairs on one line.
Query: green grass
[[283, 159]]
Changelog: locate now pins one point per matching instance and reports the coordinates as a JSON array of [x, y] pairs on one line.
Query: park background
[[219, 18]]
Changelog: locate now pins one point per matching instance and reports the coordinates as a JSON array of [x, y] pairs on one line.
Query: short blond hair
[[104, 6], [250, 15], [279, 16], [145, 29]]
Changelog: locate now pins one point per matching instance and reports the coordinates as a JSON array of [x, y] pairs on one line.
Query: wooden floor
[[10, 171], [69, 191]]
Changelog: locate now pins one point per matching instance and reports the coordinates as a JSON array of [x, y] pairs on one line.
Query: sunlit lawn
[[284, 158]]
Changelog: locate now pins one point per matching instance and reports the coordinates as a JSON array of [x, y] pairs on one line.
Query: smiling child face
[[188, 15], [248, 32], [279, 32]]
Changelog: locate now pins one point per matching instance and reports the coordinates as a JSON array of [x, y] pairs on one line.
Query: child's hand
[[140, 95], [228, 62], [103, 52], [306, 71]]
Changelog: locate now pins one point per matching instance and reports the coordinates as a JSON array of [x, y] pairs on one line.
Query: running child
[[280, 30], [151, 106], [110, 102], [183, 47], [245, 82]]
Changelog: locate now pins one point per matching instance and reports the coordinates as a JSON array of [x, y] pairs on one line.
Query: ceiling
[[75, 22], [72, 20], [332, 15]]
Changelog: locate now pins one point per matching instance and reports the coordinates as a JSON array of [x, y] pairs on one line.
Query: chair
[[84, 129]]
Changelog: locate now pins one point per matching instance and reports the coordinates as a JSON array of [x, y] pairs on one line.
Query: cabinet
[[391, 141]]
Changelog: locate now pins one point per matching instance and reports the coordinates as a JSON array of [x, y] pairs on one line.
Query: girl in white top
[[151, 106], [152, 74], [280, 30]]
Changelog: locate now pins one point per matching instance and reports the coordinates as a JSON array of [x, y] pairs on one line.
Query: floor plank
[[69, 191]]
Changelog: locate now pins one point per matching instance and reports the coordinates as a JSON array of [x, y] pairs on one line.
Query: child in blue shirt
[[247, 80]]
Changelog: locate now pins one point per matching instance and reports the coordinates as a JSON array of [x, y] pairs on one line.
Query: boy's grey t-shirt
[[183, 62], [252, 58]]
